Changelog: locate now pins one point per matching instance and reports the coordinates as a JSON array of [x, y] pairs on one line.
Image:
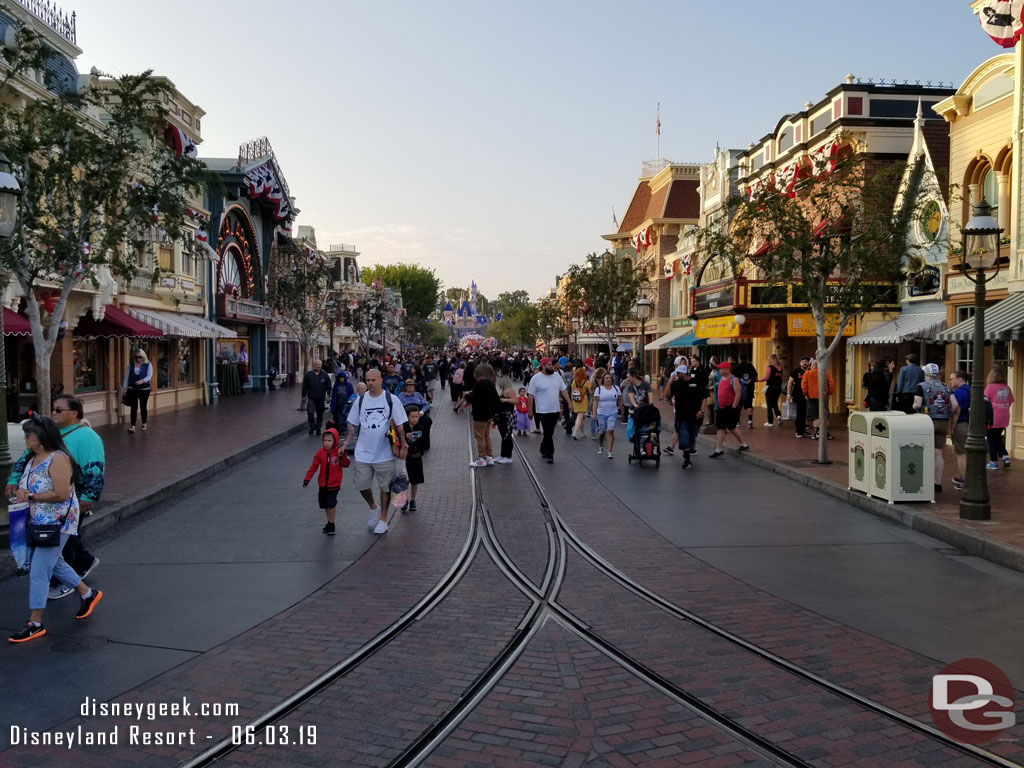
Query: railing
[[53, 17], [253, 150], [342, 247]]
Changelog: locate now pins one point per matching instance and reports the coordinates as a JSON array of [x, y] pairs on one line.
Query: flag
[[615, 221], [182, 142], [657, 125], [1003, 21]]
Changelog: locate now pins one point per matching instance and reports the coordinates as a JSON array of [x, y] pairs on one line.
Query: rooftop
[[52, 15]]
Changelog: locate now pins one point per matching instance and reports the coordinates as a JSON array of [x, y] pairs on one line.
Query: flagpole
[[658, 131]]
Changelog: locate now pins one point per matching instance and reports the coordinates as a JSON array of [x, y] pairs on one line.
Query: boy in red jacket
[[329, 460]]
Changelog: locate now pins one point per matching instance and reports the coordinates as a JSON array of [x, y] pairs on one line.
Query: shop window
[[187, 263], [166, 258], [964, 352], [186, 362], [88, 363], [160, 358]]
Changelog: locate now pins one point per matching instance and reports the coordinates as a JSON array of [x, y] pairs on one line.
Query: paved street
[[612, 625]]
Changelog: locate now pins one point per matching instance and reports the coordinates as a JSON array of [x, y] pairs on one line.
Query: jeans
[[47, 562], [314, 413], [801, 415], [771, 398], [996, 442], [505, 421], [688, 430], [138, 399], [548, 421]]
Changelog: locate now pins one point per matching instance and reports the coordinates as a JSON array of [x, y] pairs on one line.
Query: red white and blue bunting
[[182, 142], [642, 240], [1003, 20], [263, 182]]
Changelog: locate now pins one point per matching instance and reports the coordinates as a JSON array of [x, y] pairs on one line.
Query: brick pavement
[[885, 672], [262, 666], [1000, 539]]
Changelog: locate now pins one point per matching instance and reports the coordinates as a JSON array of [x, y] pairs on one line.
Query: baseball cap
[[931, 369], [726, 366], [545, 360], [681, 369]]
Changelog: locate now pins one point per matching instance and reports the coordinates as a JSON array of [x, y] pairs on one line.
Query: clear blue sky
[[492, 140]]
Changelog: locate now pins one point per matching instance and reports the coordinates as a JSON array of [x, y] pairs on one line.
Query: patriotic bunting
[[642, 240], [262, 182], [182, 142], [1003, 20]]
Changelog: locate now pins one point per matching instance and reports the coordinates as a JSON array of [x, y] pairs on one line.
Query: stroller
[[646, 435]]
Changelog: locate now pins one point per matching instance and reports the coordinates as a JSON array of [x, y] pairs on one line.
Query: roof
[[936, 138], [917, 327], [679, 199]]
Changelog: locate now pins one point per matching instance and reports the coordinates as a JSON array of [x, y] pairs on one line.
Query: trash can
[[858, 459], [902, 457]]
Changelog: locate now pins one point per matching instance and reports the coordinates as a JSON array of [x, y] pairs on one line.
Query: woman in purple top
[[999, 394]]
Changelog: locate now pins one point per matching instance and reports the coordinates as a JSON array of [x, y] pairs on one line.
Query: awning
[[15, 324], [183, 326], [920, 327], [1004, 321], [688, 340], [663, 342], [373, 344], [624, 346], [115, 325]]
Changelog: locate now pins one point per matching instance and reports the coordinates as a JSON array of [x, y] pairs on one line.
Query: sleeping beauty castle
[[465, 318]]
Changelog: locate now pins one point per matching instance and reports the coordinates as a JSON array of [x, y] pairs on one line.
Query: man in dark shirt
[[316, 385], [689, 398], [747, 374], [430, 373], [795, 395], [392, 381]]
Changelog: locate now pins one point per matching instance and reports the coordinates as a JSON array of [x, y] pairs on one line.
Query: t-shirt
[[606, 400], [372, 446], [546, 389], [963, 399], [688, 398], [796, 375], [429, 371], [641, 391], [935, 398], [392, 382], [747, 374], [998, 394]]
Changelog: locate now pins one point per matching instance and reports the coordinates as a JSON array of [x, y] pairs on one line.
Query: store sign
[[627, 329], [682, 322], [716, 298], [960, 283], [803, 325], [728, 328]]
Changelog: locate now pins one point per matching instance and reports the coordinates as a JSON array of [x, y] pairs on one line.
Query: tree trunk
[[823, 356]]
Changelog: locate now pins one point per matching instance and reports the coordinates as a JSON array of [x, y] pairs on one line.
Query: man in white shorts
[[373, 413]]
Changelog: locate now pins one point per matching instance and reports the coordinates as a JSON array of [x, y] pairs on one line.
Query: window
[[187, 263], [88, 363], [990, 191], [186, 361], [160, 357], [786, 140], [166, 258], [819, 123], [964, 352]]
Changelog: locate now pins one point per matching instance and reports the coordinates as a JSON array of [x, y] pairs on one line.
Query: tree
[[93, 191], [836, 237], [367, 316], [299, 289], [419, 286], [508, 301], [549, 315], [605, 289], [519, 328]]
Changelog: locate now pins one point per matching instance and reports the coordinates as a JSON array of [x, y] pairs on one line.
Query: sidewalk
[[180, 449], [1000, 539]]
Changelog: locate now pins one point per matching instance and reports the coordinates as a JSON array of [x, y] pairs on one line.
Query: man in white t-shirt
[[544, 391], [374, 460]]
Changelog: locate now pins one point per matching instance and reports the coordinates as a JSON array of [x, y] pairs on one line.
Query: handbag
[[44, 534]]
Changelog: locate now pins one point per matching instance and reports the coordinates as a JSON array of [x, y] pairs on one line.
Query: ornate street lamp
[[576, 336], [980, 253], [10, 191], [550, 329], [643, 309]]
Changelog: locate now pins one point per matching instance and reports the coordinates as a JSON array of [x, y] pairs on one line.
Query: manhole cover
[[77, 644]]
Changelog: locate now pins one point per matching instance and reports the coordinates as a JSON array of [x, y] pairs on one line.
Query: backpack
[[936, 399], [457, 376], [391, 407]]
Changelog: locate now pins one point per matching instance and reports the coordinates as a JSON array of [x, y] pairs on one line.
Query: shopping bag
[[629, 429], [788, 412], [400, 485], [17, 518]]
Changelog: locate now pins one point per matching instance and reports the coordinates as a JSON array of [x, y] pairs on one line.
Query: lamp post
[[980, 253], [549, 329], [10, 191], [642, 310], [576, 336]]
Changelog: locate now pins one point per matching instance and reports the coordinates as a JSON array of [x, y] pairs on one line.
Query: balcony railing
[[53, 17]]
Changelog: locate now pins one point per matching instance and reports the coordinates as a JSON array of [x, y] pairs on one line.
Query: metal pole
[[974, 502], [643, 363], [5, 450]]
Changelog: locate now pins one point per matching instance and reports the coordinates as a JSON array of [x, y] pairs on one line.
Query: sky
[[492, 141]]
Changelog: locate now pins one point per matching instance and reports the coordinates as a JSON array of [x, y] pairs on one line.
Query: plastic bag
[[788, 412], [629, 429], [400, 485], [17, 517]]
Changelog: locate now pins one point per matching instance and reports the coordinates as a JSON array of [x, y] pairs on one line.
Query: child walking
[[329, 461], [522, 412], [417, 437]]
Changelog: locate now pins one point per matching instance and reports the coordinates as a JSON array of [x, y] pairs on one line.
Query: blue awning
[[688, 340], [624, 346]]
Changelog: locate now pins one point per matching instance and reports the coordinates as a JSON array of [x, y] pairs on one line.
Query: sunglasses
[[60, 410]]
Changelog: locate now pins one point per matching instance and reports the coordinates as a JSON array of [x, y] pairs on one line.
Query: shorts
[[414, 470], [328, 498], [383, 472], [747, 402], [960, 438], [941, 429], [606, 422], [687, 429], [813, 412], [727, 418]]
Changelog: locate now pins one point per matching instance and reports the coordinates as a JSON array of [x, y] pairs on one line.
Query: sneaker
[[88, 603], [490, 461], [750, 424], [549, 459], [687, 463], [329, 529], [992, 465], [30, 632], [938, 488], [481, 462], [1006, 461], [600, 450], [830, 436], [143, 427], [381, 527], [502, 460], [716, 454], [743, 447], [404, 507], [130, 430], [609, 454], [801, 434], [412, 506], [373, 519], [958, 482], [670, 450], [56, 593], [814, 436], [92, 565], [769, 424]]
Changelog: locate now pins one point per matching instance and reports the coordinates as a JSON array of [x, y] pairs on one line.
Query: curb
[[110, 516], [969, 542]]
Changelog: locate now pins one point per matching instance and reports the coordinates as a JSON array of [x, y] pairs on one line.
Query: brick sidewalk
[[1000, 539]]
